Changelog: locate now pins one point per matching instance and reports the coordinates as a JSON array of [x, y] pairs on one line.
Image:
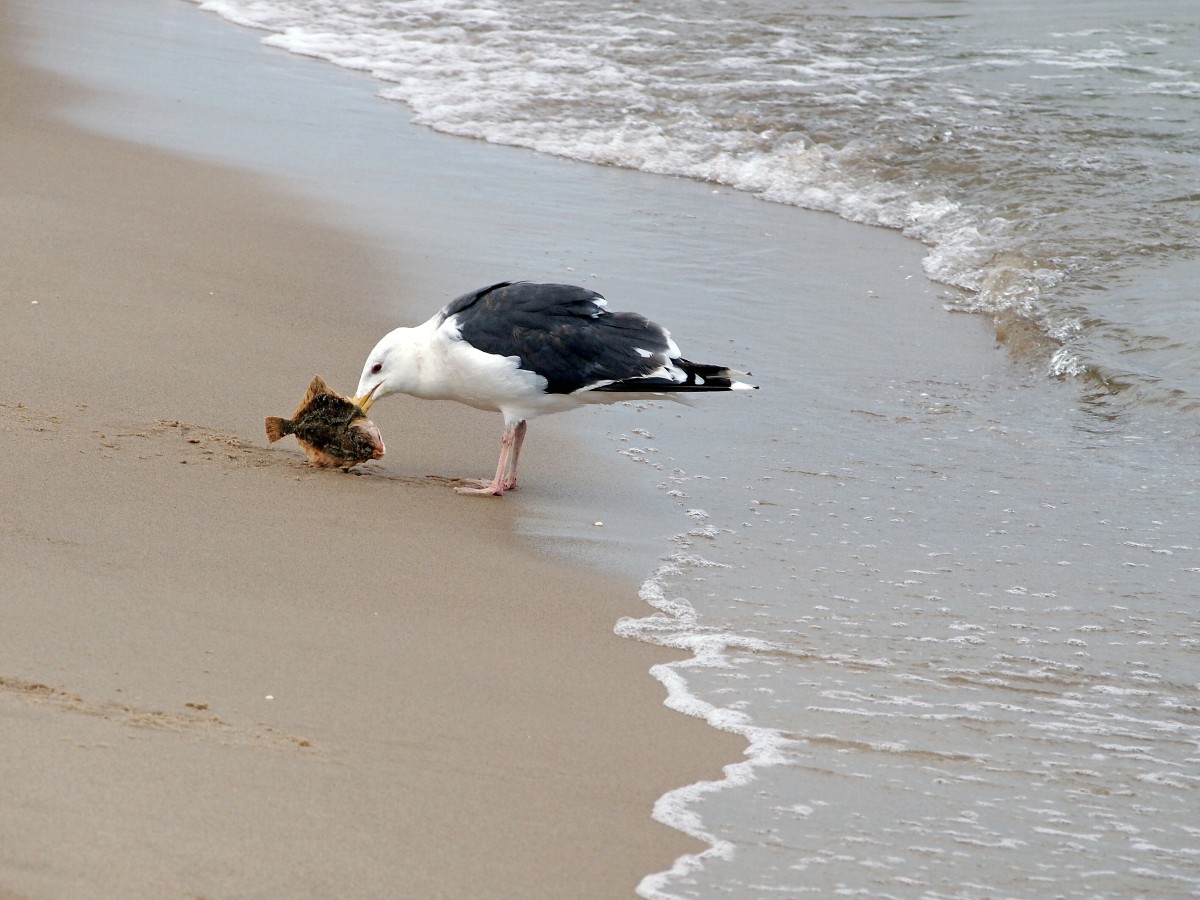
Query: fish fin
[[318, 386], [318, 457], [275, 428]]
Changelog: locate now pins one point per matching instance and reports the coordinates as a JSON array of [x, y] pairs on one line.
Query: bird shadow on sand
[[369, 470]]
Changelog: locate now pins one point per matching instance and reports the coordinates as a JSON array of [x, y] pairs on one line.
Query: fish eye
[[377, 368]]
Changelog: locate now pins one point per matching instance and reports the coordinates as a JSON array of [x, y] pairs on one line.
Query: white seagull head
[[390, 368]]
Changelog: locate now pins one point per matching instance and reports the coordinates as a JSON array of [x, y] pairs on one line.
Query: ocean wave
[[675, 624]]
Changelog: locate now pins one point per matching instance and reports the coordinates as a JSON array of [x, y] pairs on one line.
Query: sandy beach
[[227, 674]]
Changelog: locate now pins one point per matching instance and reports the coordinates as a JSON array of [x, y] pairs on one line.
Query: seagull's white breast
[[451, 369]]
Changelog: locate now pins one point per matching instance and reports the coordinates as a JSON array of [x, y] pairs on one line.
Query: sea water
[[954, 615]]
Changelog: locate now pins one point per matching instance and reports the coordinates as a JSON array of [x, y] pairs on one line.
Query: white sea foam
[[676, 625]]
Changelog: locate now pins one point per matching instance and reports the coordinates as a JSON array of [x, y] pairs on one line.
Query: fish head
[[370, 434]]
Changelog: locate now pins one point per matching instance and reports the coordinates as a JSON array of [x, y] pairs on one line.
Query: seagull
[[525, 350]]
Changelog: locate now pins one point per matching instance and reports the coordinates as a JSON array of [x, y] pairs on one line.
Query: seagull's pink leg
[[510, 480], [497, 485]]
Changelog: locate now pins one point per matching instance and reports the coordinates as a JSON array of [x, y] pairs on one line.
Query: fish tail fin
[[277, 428]]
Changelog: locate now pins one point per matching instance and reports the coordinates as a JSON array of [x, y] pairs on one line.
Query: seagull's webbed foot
[[482, 486]]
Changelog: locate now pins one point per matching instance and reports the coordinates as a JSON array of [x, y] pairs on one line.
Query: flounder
[[331, 428]]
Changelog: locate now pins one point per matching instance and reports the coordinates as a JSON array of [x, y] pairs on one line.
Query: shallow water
[[977, 648], [949, 600], [953, 610]]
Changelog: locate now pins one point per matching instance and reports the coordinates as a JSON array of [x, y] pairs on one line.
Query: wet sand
[[226, 673]]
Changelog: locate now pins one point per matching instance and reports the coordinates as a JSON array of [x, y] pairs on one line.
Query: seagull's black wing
[[562, 333]]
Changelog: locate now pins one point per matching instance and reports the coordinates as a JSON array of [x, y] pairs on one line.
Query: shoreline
[[212, 649]]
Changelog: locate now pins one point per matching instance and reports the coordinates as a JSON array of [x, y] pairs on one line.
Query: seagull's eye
[[377, 368]]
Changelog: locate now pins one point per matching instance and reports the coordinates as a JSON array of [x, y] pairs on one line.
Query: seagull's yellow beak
[[364, 401]]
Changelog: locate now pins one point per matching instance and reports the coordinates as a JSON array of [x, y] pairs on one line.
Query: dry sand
[[223, 673]]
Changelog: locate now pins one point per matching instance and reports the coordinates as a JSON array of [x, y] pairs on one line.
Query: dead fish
[[331, 429]]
